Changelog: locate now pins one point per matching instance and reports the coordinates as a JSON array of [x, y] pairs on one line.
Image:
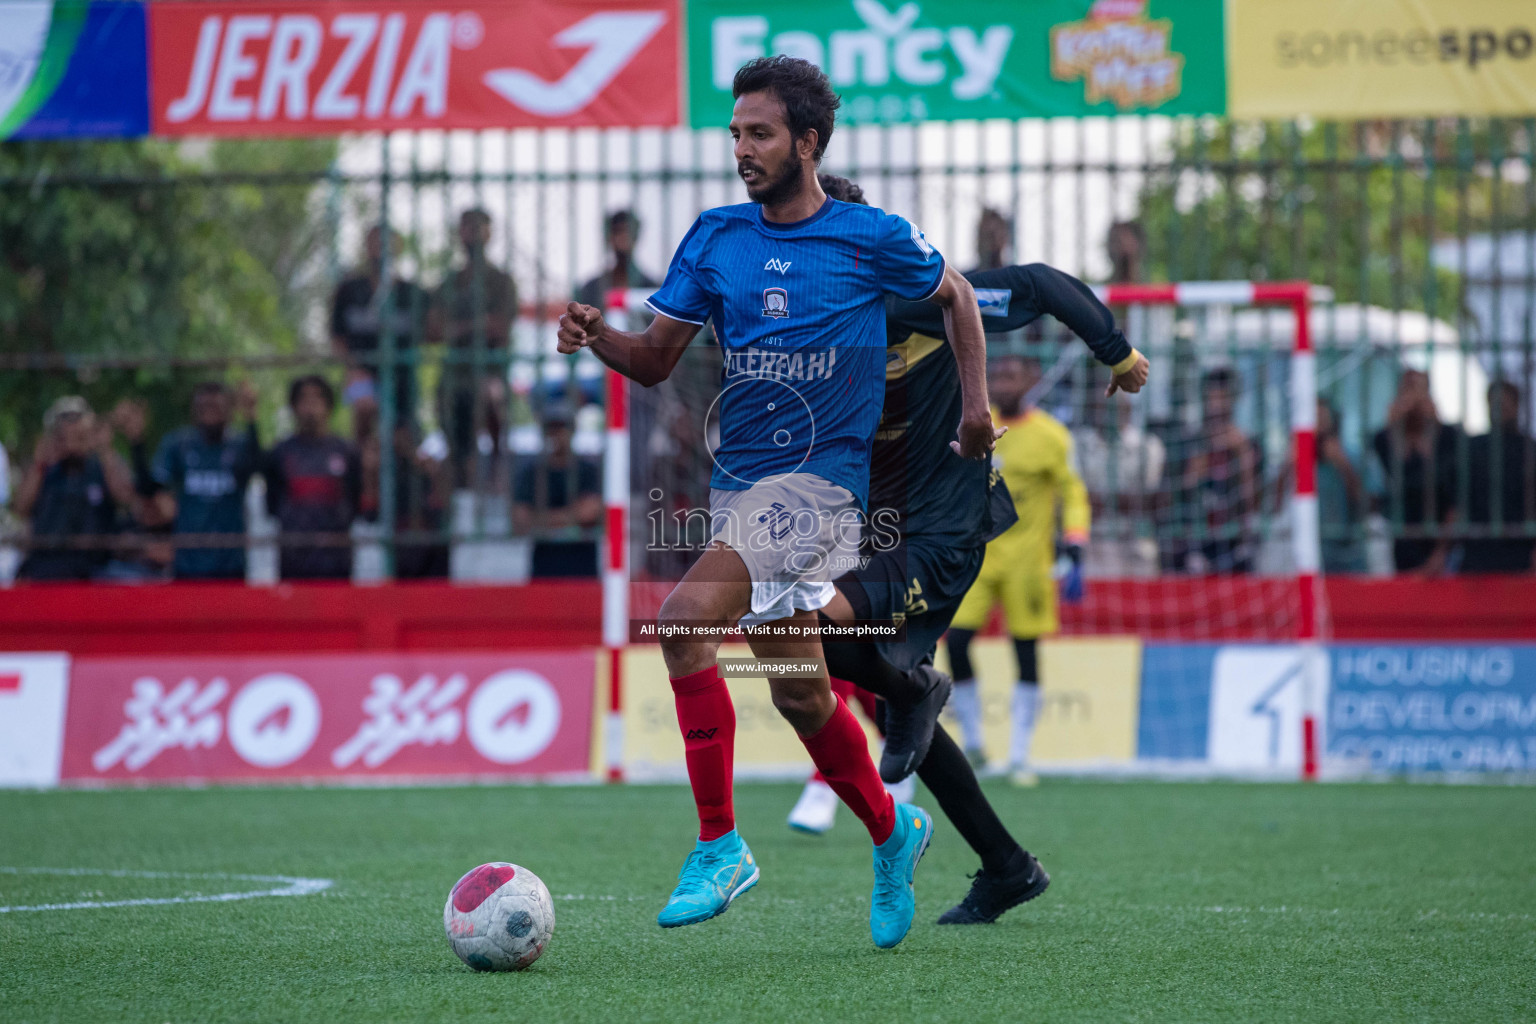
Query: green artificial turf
[[1170, 902]]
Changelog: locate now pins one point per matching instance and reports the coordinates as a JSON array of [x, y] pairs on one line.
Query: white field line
[[289, 887]]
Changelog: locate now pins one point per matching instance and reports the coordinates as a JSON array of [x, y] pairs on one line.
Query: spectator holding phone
[[71, 494]]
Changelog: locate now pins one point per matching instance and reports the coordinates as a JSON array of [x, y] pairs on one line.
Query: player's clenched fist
[[580, 326], [976, 437], [1133, 379]]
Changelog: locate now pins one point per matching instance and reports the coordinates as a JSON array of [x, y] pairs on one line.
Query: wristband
[[1124, 365]]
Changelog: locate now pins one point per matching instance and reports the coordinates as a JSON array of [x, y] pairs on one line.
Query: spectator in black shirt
[[621, 273], [1217, 474], [358, 312], [1417, 454], [994, 239], [558, 497], [421, 498], [472, 311], [1502, 475], [314, 486], [72, 493]]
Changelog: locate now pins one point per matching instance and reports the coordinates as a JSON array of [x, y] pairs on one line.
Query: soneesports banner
[[316, 716], [245, 67], [931, 60], [72, 68], [1382, 58]]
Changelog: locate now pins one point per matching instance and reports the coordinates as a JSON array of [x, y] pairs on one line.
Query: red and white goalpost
[[1305, 530], [1281, 607]]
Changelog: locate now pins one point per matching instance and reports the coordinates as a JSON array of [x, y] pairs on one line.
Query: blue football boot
[[893, 904], [714, 874]]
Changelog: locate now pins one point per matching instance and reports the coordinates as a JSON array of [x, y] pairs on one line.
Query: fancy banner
[[925, 60]]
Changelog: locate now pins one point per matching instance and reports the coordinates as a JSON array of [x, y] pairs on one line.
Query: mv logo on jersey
[[775, 302], [782, 266]]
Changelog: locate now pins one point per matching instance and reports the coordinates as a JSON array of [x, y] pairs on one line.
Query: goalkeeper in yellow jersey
[[1036, 461]]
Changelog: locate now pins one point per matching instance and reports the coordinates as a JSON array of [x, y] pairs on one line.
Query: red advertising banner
[[246, 67], [317, 716]]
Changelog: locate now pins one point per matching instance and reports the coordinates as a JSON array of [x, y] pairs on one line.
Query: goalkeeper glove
[[1069, 570]]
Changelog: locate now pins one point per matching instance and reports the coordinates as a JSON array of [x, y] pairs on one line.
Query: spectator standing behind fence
[[1123, 473], [472, 312], [314, 488], [622, 233], [421, 496], [71, 494], [1217, 469], [1418, 457], [1502, 475], [358, 318], [1341, 498], [558, 497], [994, 239], [202, 471]]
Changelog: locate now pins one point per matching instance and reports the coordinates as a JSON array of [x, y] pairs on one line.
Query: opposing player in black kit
[[943, 510]]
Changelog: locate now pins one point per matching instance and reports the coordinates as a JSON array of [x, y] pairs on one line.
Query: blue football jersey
[[800, 313]]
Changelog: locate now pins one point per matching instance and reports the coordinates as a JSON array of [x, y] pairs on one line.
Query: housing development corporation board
[[1402, 709]]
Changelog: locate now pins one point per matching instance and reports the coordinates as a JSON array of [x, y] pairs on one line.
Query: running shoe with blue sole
[[894, 902], [714, 874]]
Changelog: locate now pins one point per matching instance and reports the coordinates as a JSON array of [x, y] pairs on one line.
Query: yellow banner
[[1090, 689], [1381, 58]]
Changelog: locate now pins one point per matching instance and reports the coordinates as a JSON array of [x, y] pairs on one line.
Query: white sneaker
[[902, 792], [816, 809]]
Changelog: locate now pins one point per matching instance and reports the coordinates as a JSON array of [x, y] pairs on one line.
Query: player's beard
[[782, 188]]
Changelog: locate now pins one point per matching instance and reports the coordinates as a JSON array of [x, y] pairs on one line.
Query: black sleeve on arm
[[1033, 290], [277, 484], [144, 482]]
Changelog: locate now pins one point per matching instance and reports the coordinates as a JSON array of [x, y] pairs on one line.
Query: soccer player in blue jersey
[[794, 284]]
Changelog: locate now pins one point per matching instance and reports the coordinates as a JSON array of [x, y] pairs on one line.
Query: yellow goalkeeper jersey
[[1038, 465]]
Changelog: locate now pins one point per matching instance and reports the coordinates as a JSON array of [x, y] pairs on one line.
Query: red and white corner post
[[616, 550]]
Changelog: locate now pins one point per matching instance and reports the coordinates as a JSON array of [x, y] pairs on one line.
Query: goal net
[[1194, 644]]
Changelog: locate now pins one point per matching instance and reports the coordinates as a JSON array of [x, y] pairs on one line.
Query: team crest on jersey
[[775, 302]]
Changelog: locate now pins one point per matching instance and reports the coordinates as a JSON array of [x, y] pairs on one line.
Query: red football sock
[[841, 754], [868, 702], [708, 721]]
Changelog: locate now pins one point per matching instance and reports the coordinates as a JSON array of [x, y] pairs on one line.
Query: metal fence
[[137, 270]]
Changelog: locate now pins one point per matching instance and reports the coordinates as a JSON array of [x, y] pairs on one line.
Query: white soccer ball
[[499, 917]]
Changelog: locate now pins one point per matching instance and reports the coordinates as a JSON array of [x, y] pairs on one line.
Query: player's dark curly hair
[[803, 88], [841, 189]]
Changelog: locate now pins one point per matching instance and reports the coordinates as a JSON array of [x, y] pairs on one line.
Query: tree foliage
[[146, 251], [1357, 207]]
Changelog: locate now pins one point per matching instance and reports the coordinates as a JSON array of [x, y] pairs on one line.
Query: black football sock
[[950, 777], [862, 665], [958, 641]]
